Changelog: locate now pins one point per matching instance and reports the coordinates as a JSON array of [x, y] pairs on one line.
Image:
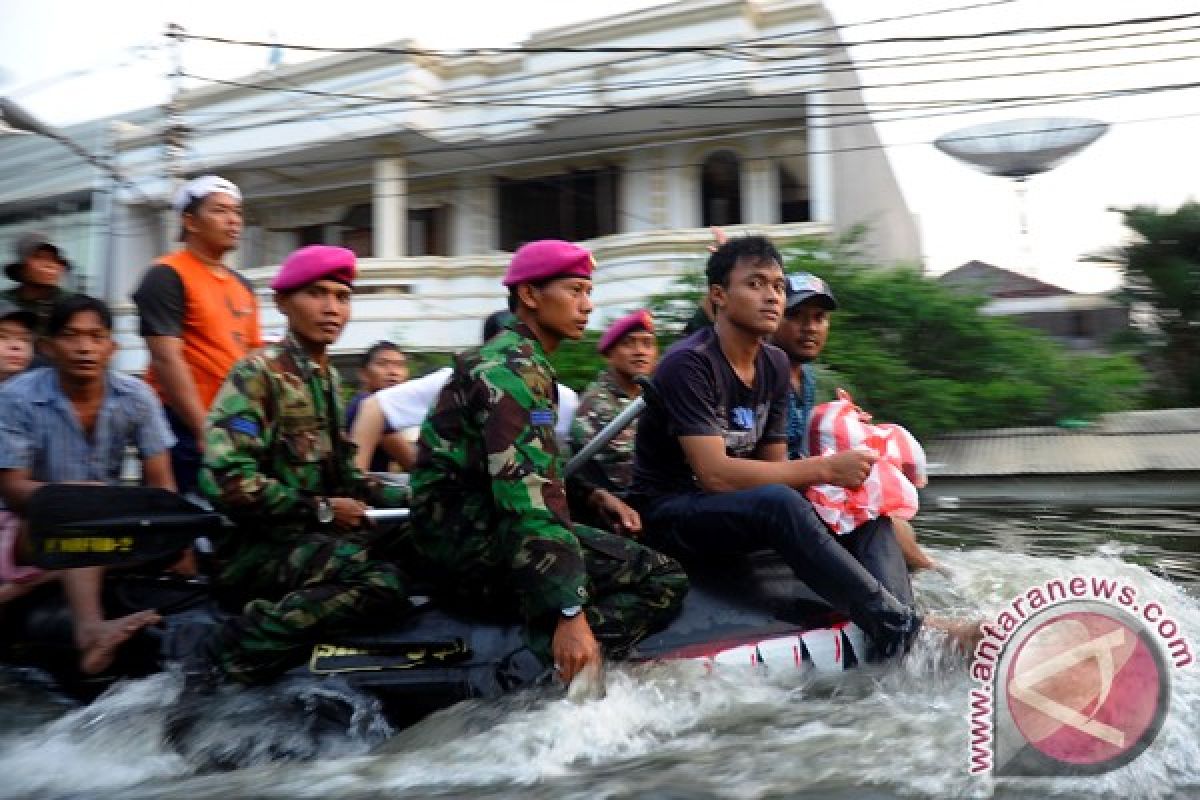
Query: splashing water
[[669, 730]]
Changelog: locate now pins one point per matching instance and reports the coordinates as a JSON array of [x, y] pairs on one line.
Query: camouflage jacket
[[39, 308], [273, 443], [488, 494], [600, 405]]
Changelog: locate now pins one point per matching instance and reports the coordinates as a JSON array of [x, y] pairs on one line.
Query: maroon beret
[[317, 262], [546, 259], [639, 320]]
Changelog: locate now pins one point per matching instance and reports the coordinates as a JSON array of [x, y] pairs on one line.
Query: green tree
[[917, 353], [1161, 266]]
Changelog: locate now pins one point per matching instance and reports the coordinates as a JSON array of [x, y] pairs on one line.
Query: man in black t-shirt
[[711, 473]]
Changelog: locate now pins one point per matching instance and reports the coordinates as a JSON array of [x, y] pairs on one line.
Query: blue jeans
[[185, 455], [862, 573]]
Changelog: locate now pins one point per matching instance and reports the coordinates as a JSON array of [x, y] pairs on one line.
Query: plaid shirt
[[799, 410], [40, 432]]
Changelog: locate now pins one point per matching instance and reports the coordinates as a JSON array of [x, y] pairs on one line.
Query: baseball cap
[[802, 286]]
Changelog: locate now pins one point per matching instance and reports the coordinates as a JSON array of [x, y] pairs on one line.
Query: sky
[[68, 61]]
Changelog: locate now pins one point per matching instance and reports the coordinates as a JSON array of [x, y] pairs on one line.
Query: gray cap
[[803, 286]]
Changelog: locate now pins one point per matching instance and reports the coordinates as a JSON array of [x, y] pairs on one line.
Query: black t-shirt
[[162, 301], [699, 394]]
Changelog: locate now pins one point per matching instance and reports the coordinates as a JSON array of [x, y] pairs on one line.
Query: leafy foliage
[[914, 352], [1162, 278]]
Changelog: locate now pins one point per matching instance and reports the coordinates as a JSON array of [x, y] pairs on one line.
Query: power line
[[721, 78], [693, 49], [553, 158], [902, 61], [713, 104], [724, 130]]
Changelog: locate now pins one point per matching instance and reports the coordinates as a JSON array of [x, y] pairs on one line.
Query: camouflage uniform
[[39, 308], [600, 405], [490, 523], [272, 446]]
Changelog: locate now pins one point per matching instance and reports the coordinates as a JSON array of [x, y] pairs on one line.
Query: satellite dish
[[1020, 148]]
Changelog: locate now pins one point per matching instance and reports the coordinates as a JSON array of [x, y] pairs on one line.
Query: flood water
[[669, 731]]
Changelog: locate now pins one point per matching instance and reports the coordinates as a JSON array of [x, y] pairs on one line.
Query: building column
[[683, 189], [760, 185], [636, 202], [389, 207], [820, 170]]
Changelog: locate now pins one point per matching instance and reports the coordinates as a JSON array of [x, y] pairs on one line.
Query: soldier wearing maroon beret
[[631, 351], [276, 462], [491, 525]]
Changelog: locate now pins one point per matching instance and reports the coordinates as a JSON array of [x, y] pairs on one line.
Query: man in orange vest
[[198, 316]]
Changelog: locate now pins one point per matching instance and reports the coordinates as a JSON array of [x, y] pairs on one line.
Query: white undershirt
[[406, 405]]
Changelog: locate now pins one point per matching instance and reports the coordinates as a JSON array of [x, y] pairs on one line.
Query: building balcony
[[430, 303]]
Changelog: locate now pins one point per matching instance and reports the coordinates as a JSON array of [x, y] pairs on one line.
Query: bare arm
[[717, 472], [366, 432], [400, 450], [166, 356], [156, 470], [16, 487]]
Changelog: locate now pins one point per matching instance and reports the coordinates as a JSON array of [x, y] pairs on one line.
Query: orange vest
[[220, 323]]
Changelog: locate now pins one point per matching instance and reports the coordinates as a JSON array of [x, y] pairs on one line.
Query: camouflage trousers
[[633, 590], [297, 591]]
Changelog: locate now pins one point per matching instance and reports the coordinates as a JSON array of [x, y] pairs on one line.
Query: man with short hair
[[277, 463], [198, 316], [711, 473], [16, 339], [490, 522], [801, 335], [38, 273], [388, 420], [631, 351], [383, 365], [71, 423]]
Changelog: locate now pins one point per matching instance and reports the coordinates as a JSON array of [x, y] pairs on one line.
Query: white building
[[433, 168]]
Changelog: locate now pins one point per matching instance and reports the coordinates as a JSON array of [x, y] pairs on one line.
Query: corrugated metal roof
[[1132, 441]]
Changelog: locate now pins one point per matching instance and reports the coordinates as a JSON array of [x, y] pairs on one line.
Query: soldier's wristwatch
[[571, 613], [324, 511]]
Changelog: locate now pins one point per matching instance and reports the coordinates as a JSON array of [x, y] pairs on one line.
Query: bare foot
[[98, 643]]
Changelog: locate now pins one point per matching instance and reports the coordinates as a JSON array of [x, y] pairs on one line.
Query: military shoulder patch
[[244, 425]]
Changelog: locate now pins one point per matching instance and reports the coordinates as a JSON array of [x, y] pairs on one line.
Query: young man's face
[[82, 349], [386, 368], [753, 298], [42, 268], [634, 355], [561, 307], [216, 223], [16, 348], [803, 331], [316, 313]]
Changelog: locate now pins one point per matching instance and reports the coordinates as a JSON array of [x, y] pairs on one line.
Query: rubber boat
[[750, 614]]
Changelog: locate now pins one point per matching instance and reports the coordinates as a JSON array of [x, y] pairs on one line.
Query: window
[[581, 204], [721, 189], [427, 232], [793, 196]]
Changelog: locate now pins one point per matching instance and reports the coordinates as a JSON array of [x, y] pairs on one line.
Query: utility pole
[[175, 132]]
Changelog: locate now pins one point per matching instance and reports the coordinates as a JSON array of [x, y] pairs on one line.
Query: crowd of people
[[590, 562]]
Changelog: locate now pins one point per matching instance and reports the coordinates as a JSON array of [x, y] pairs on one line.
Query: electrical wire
[[692, 49]]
